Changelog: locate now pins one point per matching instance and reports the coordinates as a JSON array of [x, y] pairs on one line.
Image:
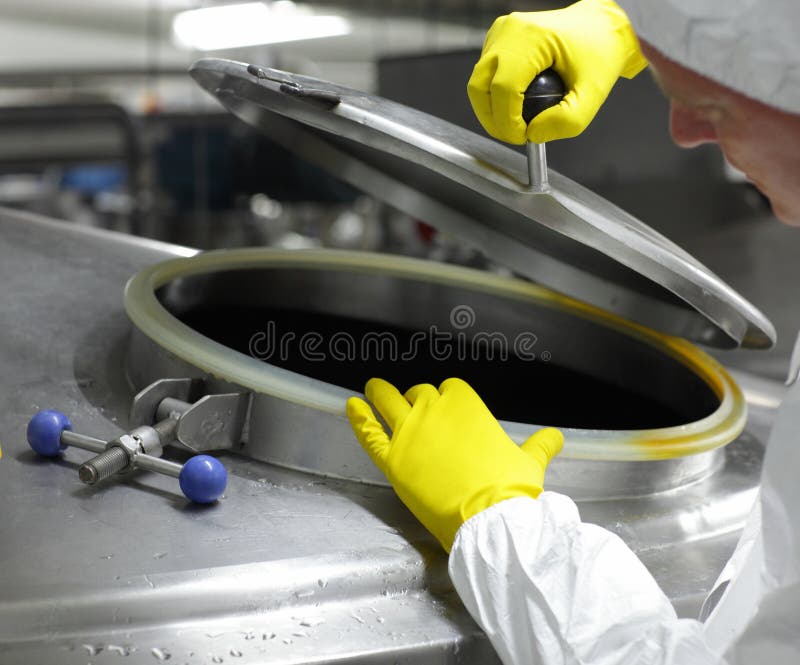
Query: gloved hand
[[590, 44], [448, 458]]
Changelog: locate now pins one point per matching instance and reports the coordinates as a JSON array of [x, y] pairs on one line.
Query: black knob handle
[[546, 90]]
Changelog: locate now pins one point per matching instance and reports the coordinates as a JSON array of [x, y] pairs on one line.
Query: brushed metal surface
[[288, 567]]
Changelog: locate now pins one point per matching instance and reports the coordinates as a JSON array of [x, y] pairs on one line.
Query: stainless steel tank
[[309, 557]]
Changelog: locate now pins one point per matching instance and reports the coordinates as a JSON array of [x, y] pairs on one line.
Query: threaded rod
[[106, 464]]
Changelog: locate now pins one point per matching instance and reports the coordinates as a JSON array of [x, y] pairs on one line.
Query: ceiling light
[[252, 23]]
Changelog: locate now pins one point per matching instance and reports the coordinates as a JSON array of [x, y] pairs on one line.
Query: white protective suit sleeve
[[547, 588]]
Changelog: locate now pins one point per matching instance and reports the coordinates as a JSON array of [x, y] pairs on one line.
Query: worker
[[544, 586]]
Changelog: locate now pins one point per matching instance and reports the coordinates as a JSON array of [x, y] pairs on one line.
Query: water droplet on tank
[[160, 654]]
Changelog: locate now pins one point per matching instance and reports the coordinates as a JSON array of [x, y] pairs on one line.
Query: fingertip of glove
[[481, 103], [544, 445], [552, 440], [356, 409], [369, 432], [421, 392], [513, 135], [558, 122], [353, 403], [374, 386], [453, 383]]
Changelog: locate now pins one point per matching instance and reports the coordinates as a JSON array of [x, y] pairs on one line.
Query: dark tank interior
[[343, 328]]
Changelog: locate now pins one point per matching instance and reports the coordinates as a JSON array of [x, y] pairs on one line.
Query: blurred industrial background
[[100, 125]]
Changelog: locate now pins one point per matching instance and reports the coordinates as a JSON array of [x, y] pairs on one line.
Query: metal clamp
[[168, 411]]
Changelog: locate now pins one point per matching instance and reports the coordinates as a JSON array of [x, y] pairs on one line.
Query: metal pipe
[[537, 167]]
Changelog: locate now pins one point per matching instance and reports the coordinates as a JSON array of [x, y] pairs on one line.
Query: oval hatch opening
[[531, 362]]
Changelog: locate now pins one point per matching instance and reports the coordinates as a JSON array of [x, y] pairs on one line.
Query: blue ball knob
[[203, 479], [44, 432]]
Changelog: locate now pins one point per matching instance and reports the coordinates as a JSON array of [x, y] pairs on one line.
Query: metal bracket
[[146, 402], [202, 422], [291, 87], [215, 422]]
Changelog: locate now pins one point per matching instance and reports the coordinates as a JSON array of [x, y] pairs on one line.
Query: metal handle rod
[[141, 461], [537, 167], [546, 90], [150, 463], [90, 443], [169, 406]]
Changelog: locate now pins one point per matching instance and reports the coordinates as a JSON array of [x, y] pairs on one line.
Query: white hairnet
[[751, 46]]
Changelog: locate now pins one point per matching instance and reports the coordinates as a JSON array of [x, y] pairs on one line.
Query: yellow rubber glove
[[448, 458], [590, 44]]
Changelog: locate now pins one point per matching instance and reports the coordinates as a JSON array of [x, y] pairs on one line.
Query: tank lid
[[566, 238]]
